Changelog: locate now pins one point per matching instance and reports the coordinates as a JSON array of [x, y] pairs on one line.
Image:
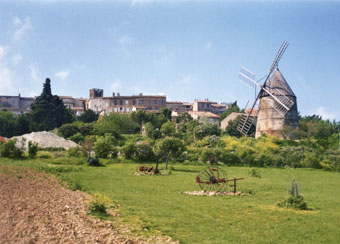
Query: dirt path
[[34, 208]]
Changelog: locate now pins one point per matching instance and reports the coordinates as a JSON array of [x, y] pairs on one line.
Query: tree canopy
[[48, 111]]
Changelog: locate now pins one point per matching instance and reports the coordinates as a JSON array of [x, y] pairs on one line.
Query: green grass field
[[157, 203]]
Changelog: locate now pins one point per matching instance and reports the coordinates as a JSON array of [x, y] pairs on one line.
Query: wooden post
[[234, 185]]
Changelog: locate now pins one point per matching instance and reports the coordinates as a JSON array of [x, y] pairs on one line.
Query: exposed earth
[[35, 208]]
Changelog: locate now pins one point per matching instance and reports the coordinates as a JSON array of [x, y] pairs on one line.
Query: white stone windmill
[[277, 102]]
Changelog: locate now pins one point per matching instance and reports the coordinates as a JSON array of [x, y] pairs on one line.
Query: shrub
[[74, 152], [294, 202], [93, 162], [144, 152], [229, 158], [68, 130], [10, 149], [32, 149], [99, 204], [129, 150], [78, 137], [105, 146], [44, 155], [311, 160], [255, 173]]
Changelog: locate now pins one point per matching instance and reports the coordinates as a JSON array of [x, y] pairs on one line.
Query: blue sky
[[183, 49]]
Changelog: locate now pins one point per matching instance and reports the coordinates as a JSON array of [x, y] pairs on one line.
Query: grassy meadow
[[157, 203]]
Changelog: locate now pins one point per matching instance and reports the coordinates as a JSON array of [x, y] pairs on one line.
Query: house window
[[126, 102], [128, 110], [155, 101], [149, 102], [134, 102], [115, 102], [142, 101], [120, 102]]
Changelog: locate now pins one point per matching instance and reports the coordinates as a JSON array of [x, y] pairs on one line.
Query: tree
[[22, 124], [151, 132], [115, 124], [48, 111], [232, 108], [231, 128], [168, 148], [88, 116], [166, 112], [211, 154], [7, 124], [168, 129], [105, 146]]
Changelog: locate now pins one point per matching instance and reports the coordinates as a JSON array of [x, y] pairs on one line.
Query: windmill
[[274, 94]]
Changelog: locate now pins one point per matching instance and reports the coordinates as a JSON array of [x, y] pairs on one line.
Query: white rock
[[46, 139]]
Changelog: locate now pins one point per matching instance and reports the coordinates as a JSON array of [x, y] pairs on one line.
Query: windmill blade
[[275, 63], [281, 103], [247, 119], [279, 54], [247, 77], [245, 123]]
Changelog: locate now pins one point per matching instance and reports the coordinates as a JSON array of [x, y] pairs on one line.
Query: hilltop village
[[102, 105]]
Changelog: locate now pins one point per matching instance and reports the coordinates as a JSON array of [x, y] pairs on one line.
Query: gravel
[[46, 139]]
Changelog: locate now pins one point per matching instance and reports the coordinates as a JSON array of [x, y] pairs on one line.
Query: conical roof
[[278, 83]]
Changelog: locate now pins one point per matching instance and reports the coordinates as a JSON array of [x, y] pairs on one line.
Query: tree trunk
[[156, 169], [166, 162]]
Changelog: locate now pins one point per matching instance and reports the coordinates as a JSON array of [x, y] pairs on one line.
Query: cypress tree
[[48, 111]]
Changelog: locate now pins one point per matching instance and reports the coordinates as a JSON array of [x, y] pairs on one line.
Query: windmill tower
[[277, 109]]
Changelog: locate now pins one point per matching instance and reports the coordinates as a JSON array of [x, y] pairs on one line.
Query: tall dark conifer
[[48, 111]]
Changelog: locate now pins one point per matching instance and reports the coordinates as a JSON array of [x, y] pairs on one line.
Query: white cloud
[[35, 72], [16, 59], [63, 74], [325, 114], [6, 76], [6, 80], [126, 40], [3, 51], [22, 26], [116, 85]]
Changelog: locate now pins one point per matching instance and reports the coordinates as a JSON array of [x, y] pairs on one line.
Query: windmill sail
[[245, 123], [281, 103]]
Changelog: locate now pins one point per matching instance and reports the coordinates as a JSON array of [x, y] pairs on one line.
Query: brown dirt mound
[[34, 208]]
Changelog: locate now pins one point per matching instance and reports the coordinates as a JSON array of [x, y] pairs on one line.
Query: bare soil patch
[[215, 193], [35, 208]]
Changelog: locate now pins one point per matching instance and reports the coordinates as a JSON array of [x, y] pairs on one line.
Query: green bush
[[105, 146], [10, 149], [255, 173], [311, 160], [68, 130], [129, 150], [297, 203], [75, 152], [32, 149], [144, 152], [229, 158], [78, 137], [99, 204]]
